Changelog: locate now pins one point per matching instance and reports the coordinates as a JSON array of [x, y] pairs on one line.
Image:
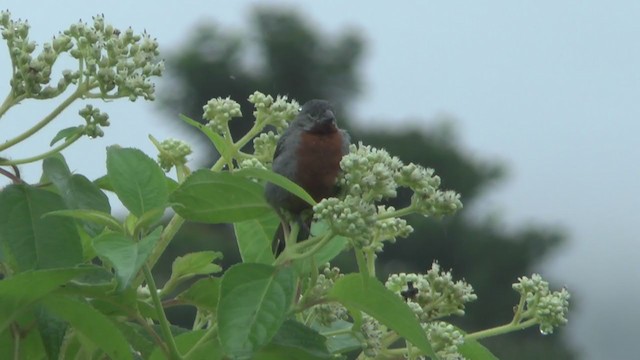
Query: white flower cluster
[[117, 63], [325, 313], [369, 173], [219, 112], [445, 340], [264, 146], [277, 113], [352, 217], [548, 308], [435, 293], [173, 152]]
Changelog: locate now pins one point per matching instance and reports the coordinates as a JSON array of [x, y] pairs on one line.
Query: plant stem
[[499, 330], [370, 255], [8, 102], [164, 323], [47, 119], [165, 238], [53, 151], [362, 263], [346, 330], [15, 330], [397, 213]]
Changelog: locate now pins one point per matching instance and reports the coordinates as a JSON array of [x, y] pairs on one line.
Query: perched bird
[[309, 154]]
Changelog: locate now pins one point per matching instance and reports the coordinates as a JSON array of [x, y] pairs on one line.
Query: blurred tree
[[285, 54]]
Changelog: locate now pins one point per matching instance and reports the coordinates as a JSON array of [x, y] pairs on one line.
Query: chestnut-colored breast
[[319, 156]]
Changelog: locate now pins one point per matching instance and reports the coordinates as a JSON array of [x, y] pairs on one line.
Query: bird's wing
[[280, 145]]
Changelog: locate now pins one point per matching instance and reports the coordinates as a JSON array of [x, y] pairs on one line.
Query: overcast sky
[[551, 88]]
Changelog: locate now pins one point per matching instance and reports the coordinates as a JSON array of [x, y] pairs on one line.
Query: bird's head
[[316, 116]]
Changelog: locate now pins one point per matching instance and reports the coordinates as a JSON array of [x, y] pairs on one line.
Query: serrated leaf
[[22, 290], [203, 294], [254, 301], [90, 323], [126, 256], [219, 197], [52, 330], [372, 297], [66, 134], [279, 180], [93, 216], [137, 180], [30, 241], [198, 263], [254, 238]]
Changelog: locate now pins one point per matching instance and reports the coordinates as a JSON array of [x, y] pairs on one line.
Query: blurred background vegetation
[[280, 53]]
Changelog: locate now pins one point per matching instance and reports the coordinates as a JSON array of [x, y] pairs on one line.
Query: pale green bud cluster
[[352, 217], [388, 229], [117, 63], [369, 172], [95, 119], [325, 313], [277, 113], [219, 112], [264, 146], [548, 308], [173, 152], [372, 336], [437, 294], [427, 199], [251, 163], [445, 340]]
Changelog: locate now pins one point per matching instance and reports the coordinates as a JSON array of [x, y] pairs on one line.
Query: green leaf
[[370, 296], [21, 291], [218, 141], [198, 263], [255, 236], [66, 133], [295, 341], [149, 218], [90, 323], [327, 253], [30, 241], [279, 180], [473, 350], [137, 180], [219, 197], [343, 342], [126, 256], [254, 301], [93, 216], [203, 294], [52, 330], [210, 350]]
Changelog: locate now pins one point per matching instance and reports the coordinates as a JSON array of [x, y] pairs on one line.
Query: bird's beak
[[327, 118]]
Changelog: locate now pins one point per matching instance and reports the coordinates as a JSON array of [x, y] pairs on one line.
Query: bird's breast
[[318, 164]]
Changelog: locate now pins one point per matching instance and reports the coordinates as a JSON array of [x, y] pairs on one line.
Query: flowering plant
[[76, 281]]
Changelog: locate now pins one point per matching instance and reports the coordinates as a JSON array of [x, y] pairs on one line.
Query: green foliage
[[76, 281]]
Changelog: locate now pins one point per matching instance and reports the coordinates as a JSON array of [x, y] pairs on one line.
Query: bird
[[308, 153]]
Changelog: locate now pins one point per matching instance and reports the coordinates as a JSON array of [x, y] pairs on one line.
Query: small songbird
[[309, 154]]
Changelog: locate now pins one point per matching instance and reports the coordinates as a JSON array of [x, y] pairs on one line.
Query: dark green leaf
[[210, 350], [138, 338], [126, 256], [344, 341], [219, 197], [52, 330], [203, 294], [93, 216], [66, 133], [149, 218], [279, 180], [370, 296], [327, 253], [22, 290], [137, 180], [90, 323], [254, 301], [198, 263], [473, 350], [254, 238], [296, 342], [30, 241]]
